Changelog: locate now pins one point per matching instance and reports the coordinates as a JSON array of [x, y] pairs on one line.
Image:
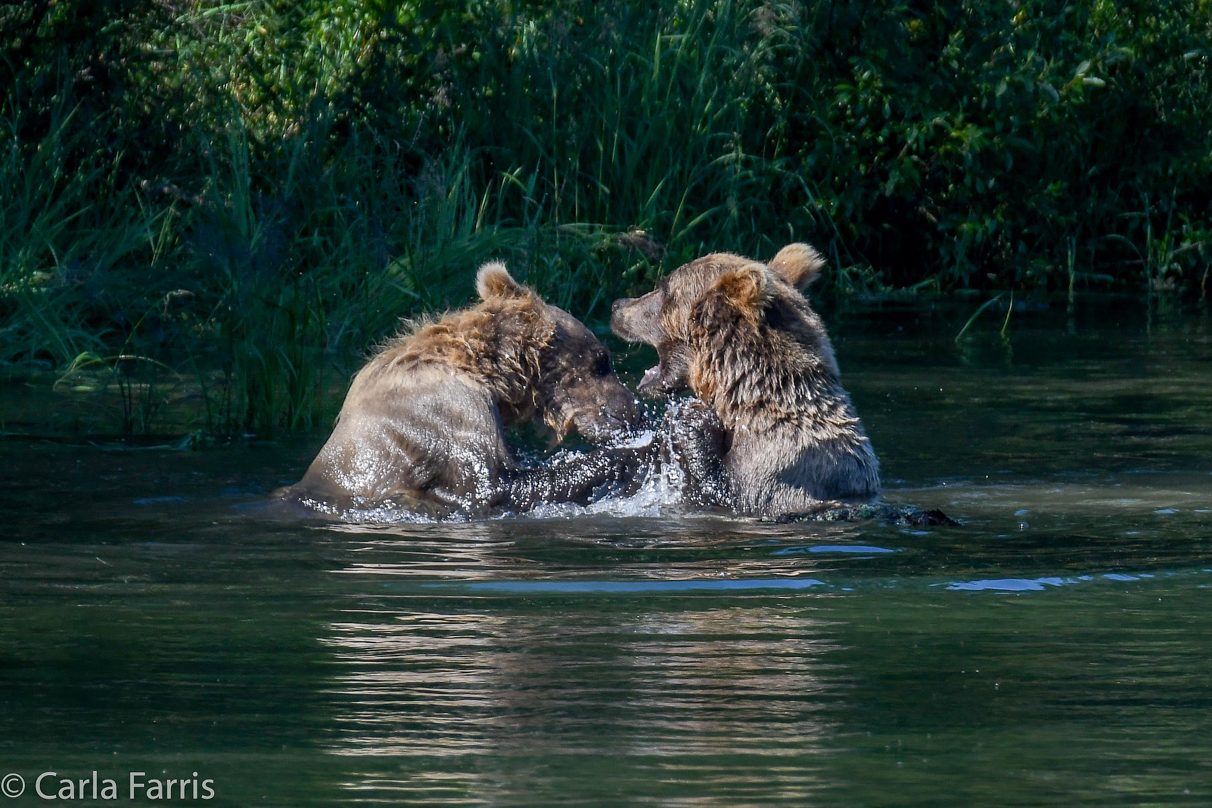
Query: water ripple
[[643, 586]]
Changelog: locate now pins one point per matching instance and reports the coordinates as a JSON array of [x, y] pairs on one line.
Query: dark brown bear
[[422, 424], [777, 434]]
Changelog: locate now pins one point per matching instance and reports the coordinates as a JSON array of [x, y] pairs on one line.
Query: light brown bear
[[422, 425], [775, 432]]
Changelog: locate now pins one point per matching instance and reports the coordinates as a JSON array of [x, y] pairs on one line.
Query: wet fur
[[422, 427], [775, 431]]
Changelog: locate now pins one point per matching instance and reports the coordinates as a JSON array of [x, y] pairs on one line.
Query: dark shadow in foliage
[[305, 172]]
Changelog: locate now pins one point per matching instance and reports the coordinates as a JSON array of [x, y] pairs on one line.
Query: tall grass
[[237, 201]]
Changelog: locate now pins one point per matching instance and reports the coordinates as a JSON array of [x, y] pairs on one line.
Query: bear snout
[[601, 409], [637, 319], [600, 425], [619, 414], [618, 317]]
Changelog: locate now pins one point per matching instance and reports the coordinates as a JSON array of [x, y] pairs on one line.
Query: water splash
[[659, 492]]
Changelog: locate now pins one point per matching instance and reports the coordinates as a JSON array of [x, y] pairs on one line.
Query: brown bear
[[422, 427], [775, 432]]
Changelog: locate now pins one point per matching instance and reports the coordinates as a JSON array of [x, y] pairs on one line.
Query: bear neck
[[496, 345], [760, 378]]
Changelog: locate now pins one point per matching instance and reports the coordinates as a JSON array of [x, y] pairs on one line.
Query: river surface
[[1053, 650]]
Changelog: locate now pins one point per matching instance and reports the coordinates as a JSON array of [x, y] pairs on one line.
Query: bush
[[251, 194]]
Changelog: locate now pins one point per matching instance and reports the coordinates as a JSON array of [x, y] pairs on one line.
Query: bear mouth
[[667, 376], [652, 377]]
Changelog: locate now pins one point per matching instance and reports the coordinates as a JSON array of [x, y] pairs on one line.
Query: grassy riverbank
[[238, 200]]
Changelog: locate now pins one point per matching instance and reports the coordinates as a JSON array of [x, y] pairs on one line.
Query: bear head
[[705, 311], [565, 369]]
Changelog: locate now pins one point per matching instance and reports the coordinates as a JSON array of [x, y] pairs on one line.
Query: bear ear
[[494, 280], [744, 288], [798, 264]]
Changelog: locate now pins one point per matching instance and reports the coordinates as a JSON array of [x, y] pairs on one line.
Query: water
[[1052, 651]]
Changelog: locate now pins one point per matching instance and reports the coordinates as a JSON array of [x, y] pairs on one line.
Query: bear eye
[[601, 364]]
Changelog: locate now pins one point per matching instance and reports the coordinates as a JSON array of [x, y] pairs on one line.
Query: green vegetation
[[235, 201]]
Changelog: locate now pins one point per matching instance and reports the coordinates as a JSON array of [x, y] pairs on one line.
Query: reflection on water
[[734, 694], [1051, 651]]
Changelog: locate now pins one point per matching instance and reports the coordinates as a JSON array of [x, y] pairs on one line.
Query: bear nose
[[620, 303]]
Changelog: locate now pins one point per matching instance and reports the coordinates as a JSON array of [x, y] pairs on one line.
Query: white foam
[[660, 492], [638, 441]]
